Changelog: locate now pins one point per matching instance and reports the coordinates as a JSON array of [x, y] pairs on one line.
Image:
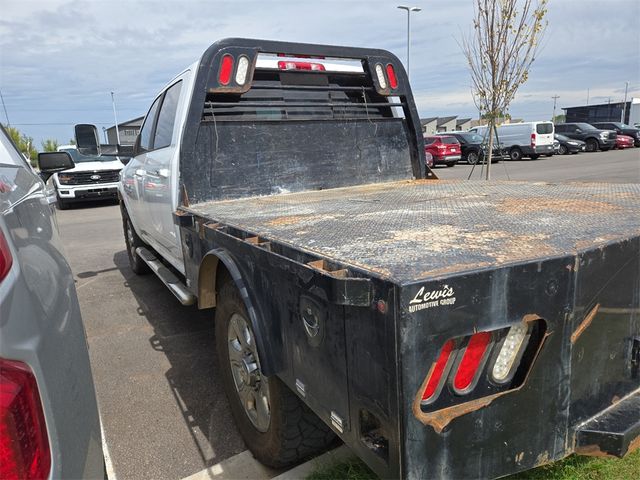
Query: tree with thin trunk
[[500, 49]]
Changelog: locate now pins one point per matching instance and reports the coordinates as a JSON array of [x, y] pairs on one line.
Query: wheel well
[[209, 276], [515, 148]]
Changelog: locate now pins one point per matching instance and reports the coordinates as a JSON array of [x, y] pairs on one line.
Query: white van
[[528, 139]]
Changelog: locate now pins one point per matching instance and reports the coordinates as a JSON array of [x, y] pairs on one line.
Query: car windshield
[[79, 158], [585, 126], [449, 140], [562, 138]]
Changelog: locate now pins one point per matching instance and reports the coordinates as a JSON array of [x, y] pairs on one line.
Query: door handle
[[162, 172]]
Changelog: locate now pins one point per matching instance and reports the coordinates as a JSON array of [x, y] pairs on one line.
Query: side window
[[167, 117], [145, 133]]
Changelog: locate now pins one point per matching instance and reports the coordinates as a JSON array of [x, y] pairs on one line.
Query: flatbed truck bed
[[413, 230]]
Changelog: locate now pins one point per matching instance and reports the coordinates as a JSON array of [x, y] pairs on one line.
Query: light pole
[[555, 98], [113, 102], [624, 105], [409, 10]]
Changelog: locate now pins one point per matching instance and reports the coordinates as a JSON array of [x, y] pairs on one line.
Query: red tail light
[[286, 65], [533, 139], [6, 260], [471, 361], [24, 444], [436, 375], [226, 69], [391, 73]]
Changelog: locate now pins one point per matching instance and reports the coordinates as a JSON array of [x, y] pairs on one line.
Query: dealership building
[[606, 112]]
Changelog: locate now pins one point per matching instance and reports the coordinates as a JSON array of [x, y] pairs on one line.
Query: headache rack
[[298, 95]]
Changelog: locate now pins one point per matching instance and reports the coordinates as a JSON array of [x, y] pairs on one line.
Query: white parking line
[[108, 465]]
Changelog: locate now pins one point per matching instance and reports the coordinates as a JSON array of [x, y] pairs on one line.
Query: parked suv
[[621, 129], [593, 137], [49, 424], [444, 148], [92, 178]]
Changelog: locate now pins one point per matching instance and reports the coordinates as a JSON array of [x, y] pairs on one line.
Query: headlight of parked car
[[64, 178]]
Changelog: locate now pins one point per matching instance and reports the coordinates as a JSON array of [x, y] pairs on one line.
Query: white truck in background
[[93, 178]]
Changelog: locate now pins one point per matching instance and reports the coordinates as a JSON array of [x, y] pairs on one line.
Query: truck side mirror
[[87, 139], [53, 162]]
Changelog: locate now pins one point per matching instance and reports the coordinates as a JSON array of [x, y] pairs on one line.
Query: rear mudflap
[[579, 311]]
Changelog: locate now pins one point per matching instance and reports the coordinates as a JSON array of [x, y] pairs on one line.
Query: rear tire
[[293, 432], [450, 164], [535, 156], [592, 145], [473, 158], [515, 154], [133, 241], [563, 150]]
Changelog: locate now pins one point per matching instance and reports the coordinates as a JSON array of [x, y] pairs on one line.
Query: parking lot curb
[[331, 457], [239, 467], [244, 466]]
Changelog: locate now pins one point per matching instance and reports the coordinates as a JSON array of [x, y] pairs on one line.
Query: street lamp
[[113, 102], [409, 10]]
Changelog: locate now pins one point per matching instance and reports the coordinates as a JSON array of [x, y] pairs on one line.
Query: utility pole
[[587, 96], [113, 102], [555, 98], [409, 10], [7, 115], [624, 105]]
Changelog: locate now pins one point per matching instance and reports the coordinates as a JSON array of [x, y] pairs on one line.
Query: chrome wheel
[[251, 385], [130, 238]]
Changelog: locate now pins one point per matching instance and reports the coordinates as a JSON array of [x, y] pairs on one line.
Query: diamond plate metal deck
[[414, 230]]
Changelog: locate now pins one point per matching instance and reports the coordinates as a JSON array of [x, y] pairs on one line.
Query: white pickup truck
[[440, 329], [94, 177]]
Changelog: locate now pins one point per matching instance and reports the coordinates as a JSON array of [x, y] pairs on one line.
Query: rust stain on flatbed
[[516, 206], [585, 323]]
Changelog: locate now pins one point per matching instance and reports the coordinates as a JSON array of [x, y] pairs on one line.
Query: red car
[[624, 141], [444, 148]]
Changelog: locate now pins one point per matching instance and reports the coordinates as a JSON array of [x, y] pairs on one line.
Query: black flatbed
[[422, 229]]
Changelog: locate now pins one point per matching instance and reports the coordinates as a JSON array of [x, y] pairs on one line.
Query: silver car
[[49, 424]]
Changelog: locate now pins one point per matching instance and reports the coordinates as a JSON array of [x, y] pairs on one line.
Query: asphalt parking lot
[[162, 404]]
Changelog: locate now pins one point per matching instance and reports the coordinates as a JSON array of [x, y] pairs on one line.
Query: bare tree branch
[[499, 51]]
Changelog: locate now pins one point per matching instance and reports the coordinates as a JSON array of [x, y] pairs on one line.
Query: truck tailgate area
[[412, 230]]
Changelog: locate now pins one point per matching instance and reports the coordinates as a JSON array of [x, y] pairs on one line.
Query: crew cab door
[[133, 174], [160, 193]]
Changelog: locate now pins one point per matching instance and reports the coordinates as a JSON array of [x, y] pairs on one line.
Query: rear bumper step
[[614, 432], [167, 277]]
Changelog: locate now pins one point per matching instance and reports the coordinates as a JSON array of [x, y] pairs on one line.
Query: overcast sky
[[60, 59]]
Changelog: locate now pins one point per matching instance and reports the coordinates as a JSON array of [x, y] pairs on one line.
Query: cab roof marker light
[[291, 65], [226, 69], [510, 353], [391, 73], [242, 69], [381, 78]]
